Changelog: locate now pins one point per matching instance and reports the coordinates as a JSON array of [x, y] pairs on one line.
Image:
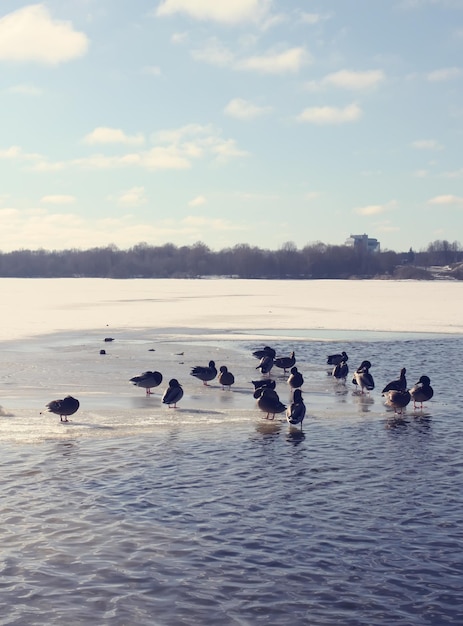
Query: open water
[[136, 514]]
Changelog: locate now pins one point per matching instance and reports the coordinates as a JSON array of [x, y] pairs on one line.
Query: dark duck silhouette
[[363, 378], [397, 399], [265, 364], [204, 372], [295, 413], [421, 391], [147, 380], [263, 382], [269, 403], [226, 378], [285, 362], [173, 393], [259, 388], [340, 371], [266, 351], [295, 379], [397, 385], [65, 407], [335, 359]]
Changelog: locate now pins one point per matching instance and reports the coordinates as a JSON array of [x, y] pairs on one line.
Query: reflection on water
[[211, 514]]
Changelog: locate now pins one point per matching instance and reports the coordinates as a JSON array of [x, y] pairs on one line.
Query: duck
[[421, 391], [340, 371], [270, 388], [335, 359], [173, 393], [295, 413], [265, 364], [263, 382], [399, 385], [295, 379], [64, 407], [285, 362], [270, 403], [204, 372], [398, 399], [226, 378], [363, 378], [266, 351], [147, 380]]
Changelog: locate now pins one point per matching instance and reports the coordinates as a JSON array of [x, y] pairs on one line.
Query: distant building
[[364, 242]]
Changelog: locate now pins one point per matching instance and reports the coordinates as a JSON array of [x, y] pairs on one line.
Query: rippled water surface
[[210, 514]]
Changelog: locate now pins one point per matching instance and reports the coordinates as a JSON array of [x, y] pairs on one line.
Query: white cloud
[[214, 53], [446, 73], [198, 201], [427, 144], [291, 60], [132, 197], [104, 134], [38, 228], [30, 34], [15, 153], [244, 110], [349, 79], [174, 149], [447, 200], [331, 115], [58, 199], [375, 209], [226, 12]]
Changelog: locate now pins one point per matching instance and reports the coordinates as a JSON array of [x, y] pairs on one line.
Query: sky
[[257, 122]]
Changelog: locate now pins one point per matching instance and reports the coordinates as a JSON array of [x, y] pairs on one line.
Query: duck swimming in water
[[65, 407], [204, 372]]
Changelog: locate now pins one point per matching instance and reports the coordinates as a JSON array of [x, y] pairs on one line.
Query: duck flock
[[396, 393]]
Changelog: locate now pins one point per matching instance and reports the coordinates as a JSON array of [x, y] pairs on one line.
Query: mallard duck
[[226, 378], [295, 379], [285, 362], [398, 399], [399, 385], [204, 372], [147, 380], [265, 364], [266, 351], [173, 393], [295, 413], [340, 371], [65, 407], [269, 403], [335, 359], [421, 391], [363, 378]]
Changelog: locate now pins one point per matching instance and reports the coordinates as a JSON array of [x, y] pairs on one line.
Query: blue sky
[[242, 121]]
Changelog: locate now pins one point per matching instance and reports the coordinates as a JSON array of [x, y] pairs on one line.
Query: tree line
[[313, 261]]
